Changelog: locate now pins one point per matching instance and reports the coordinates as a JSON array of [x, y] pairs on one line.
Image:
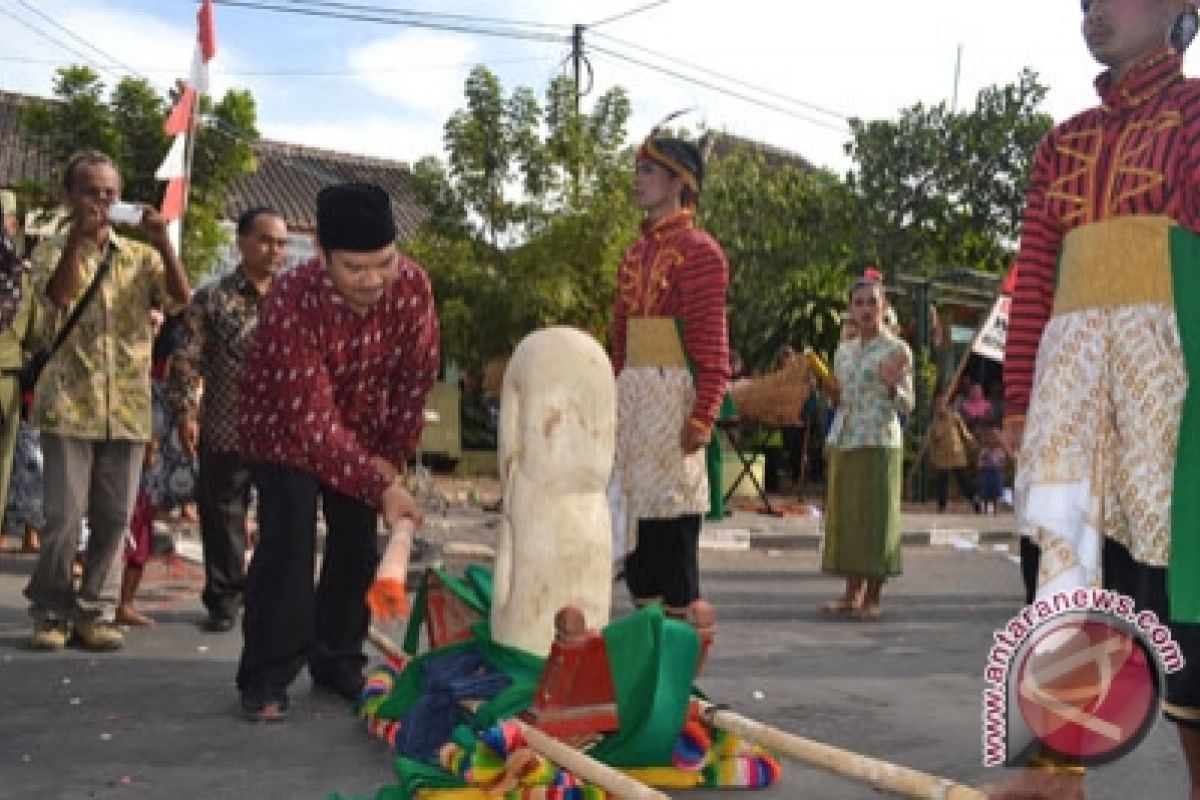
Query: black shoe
[[264, 707], [347, 687], [217, 623]]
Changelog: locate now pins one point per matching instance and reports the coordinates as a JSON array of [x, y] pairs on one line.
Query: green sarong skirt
[[862, 515]]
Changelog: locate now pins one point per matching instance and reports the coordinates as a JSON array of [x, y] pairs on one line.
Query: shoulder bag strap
[[81, 306]]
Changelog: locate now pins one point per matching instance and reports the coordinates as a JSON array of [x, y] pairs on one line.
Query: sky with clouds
[[387, 90]]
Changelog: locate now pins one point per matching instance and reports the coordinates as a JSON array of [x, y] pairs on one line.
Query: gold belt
[[1122, 261], [653, 342]]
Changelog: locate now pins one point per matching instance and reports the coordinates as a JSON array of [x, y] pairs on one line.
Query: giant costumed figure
[[1104, 347], [670, 353]]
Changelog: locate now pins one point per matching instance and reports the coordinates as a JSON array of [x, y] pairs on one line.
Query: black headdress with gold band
[[679, 156]]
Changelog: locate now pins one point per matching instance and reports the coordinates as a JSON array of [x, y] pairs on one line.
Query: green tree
[[529, 215], [80, 120], [788, 234], [941, 188], [129, 127]]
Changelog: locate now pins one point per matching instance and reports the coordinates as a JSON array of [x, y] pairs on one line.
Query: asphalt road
[[159, 718]]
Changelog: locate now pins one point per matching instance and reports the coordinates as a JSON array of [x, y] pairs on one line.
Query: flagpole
[[189, 154]]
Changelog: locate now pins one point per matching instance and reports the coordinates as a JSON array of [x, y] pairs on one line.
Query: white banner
[[990, 342]]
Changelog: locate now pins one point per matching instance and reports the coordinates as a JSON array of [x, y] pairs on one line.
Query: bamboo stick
[[847, 764], [611, 780]]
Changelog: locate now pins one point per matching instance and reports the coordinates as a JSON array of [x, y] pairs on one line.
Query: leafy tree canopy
[[530, 213], [788, 234], [943, 188]]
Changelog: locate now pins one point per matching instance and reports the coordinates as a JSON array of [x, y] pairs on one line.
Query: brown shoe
[[98, 634], [48, 634]]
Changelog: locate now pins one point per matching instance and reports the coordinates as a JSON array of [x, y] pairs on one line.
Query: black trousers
[[1031, 561], [1148, 587], [941, 485], [287, 621], [665, 564], [222, 498]]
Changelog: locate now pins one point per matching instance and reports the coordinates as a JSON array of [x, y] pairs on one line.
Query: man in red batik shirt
[[331, 402], [670, 353]]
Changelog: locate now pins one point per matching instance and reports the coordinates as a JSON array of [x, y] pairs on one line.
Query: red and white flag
[[206, 47], [181, 122], [994, 333]]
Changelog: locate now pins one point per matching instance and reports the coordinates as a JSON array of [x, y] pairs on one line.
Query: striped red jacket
[[1137, 153], [677, 270]]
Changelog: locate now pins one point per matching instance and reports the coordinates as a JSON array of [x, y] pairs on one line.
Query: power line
[[320, 12], [59, 42], [736, 81], [720, 89], [629, 13], [430, 15], [73, 35], [137, 71]]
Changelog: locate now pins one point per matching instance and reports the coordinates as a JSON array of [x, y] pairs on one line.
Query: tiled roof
[[289, 176], [287, 179], [20, 160]]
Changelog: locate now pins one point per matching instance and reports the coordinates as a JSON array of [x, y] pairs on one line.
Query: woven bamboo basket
[[776, 398]]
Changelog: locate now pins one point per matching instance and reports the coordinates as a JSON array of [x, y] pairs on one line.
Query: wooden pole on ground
[[847, 764], [616, 783]]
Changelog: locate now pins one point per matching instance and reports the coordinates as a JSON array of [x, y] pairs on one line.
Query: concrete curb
[[959, 539], [713, 539]]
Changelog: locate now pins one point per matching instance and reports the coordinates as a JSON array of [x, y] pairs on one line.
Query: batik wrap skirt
[[652, 478]]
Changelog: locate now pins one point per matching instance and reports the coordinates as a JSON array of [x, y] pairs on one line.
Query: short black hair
[[85, 158], [246, 220]]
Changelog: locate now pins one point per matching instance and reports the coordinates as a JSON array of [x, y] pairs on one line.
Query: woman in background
[[874, 385]]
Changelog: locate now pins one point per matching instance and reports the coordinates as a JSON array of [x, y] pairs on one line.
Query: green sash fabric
[[474, 589], [714, 462], [653, 661], [1183, 569]]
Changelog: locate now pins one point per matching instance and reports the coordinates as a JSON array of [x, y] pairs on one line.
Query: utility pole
[[577, 60], [957, 76]]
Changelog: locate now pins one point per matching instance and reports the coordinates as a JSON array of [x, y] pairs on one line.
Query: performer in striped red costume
[[670, 353], [1103, 335]]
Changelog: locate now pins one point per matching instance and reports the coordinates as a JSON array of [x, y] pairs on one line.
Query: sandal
[[259, 709], [128, 615], [32, 542], [839, 606], [868, 613]]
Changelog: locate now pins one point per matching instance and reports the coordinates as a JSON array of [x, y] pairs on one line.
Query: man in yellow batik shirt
[[92, 402]]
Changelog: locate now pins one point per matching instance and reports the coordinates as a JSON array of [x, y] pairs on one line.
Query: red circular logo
[[1087, 688]]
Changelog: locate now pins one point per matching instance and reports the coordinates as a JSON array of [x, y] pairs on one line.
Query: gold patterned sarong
[[1098, 457], [651, 474]]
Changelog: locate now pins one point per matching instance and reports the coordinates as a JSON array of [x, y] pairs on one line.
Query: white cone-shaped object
[[558, 422]]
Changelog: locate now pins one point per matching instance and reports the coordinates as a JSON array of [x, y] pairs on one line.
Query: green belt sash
[[1183, 569]]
